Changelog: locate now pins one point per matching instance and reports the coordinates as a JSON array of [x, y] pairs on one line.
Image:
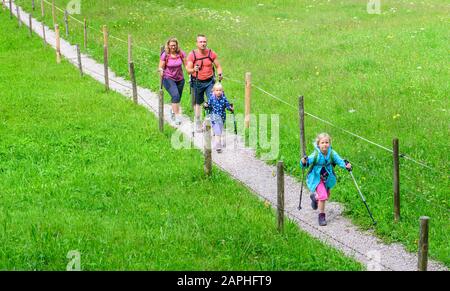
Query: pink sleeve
[[163, 57]]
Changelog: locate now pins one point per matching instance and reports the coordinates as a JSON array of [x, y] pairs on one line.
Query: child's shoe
[[313, 201], [322, 220]]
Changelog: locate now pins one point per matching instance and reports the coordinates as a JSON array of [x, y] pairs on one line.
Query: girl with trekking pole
[[170, 68], [216, 105], [321, 177]]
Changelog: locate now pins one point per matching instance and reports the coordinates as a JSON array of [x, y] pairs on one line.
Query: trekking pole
[[193, 105], [301, 113], [235, 126], [362, 197]]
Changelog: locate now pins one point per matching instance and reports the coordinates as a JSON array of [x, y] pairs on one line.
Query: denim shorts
[[175, 89], [200, 88]]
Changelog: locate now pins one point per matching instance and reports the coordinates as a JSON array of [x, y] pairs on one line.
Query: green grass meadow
[[379, 76], [85, 170]]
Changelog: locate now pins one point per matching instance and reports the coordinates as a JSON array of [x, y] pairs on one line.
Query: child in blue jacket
[[216, 105], [321, 177]]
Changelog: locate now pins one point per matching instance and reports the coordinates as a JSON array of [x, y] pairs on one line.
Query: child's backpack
[[316, 158]]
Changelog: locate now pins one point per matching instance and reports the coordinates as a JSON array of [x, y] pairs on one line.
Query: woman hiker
[[171, 71]]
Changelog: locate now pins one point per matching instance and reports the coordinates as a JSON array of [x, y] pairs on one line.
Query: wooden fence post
[[80, 66], [85, 33], [42, 8], [105, 56], [66, 22], [130, 43], [32, 5], [423, 244], [248, 91], [30, 24], [10, 9], [280, 195], [207, 147], [53, 12], [301, 118], [301, 112], [133, 82], [396, 180], [58, 45], [161, 110]]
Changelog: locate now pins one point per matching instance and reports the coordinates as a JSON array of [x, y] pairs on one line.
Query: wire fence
[[405, 156], [267, 93]]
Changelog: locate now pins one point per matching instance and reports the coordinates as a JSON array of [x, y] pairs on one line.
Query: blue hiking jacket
[[217, 107], [313, 178]]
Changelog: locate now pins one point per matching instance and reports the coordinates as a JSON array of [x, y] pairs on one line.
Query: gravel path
[[242, 164]]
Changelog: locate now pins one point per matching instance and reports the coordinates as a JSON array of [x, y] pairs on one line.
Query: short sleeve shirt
[[206, 66], [174, 68]]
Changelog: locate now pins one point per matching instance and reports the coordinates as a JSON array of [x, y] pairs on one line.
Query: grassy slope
[[390, 68], [85, 170]]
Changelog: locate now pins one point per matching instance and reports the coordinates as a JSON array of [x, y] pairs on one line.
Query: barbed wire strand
[[101, 31], [407, 157]]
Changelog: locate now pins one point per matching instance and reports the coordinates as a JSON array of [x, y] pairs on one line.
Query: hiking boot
[[322, 220], [313, 201], [219, 150]]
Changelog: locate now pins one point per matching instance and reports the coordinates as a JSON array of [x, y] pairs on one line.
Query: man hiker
[[202, 64]]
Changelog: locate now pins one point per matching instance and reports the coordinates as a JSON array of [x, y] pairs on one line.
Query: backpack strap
[[212, 62], [202, 58], [167, 58], [316, 158]]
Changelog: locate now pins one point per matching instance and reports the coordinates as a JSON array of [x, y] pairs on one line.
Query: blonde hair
[[321, 136], [217, 85], [167, 48]]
